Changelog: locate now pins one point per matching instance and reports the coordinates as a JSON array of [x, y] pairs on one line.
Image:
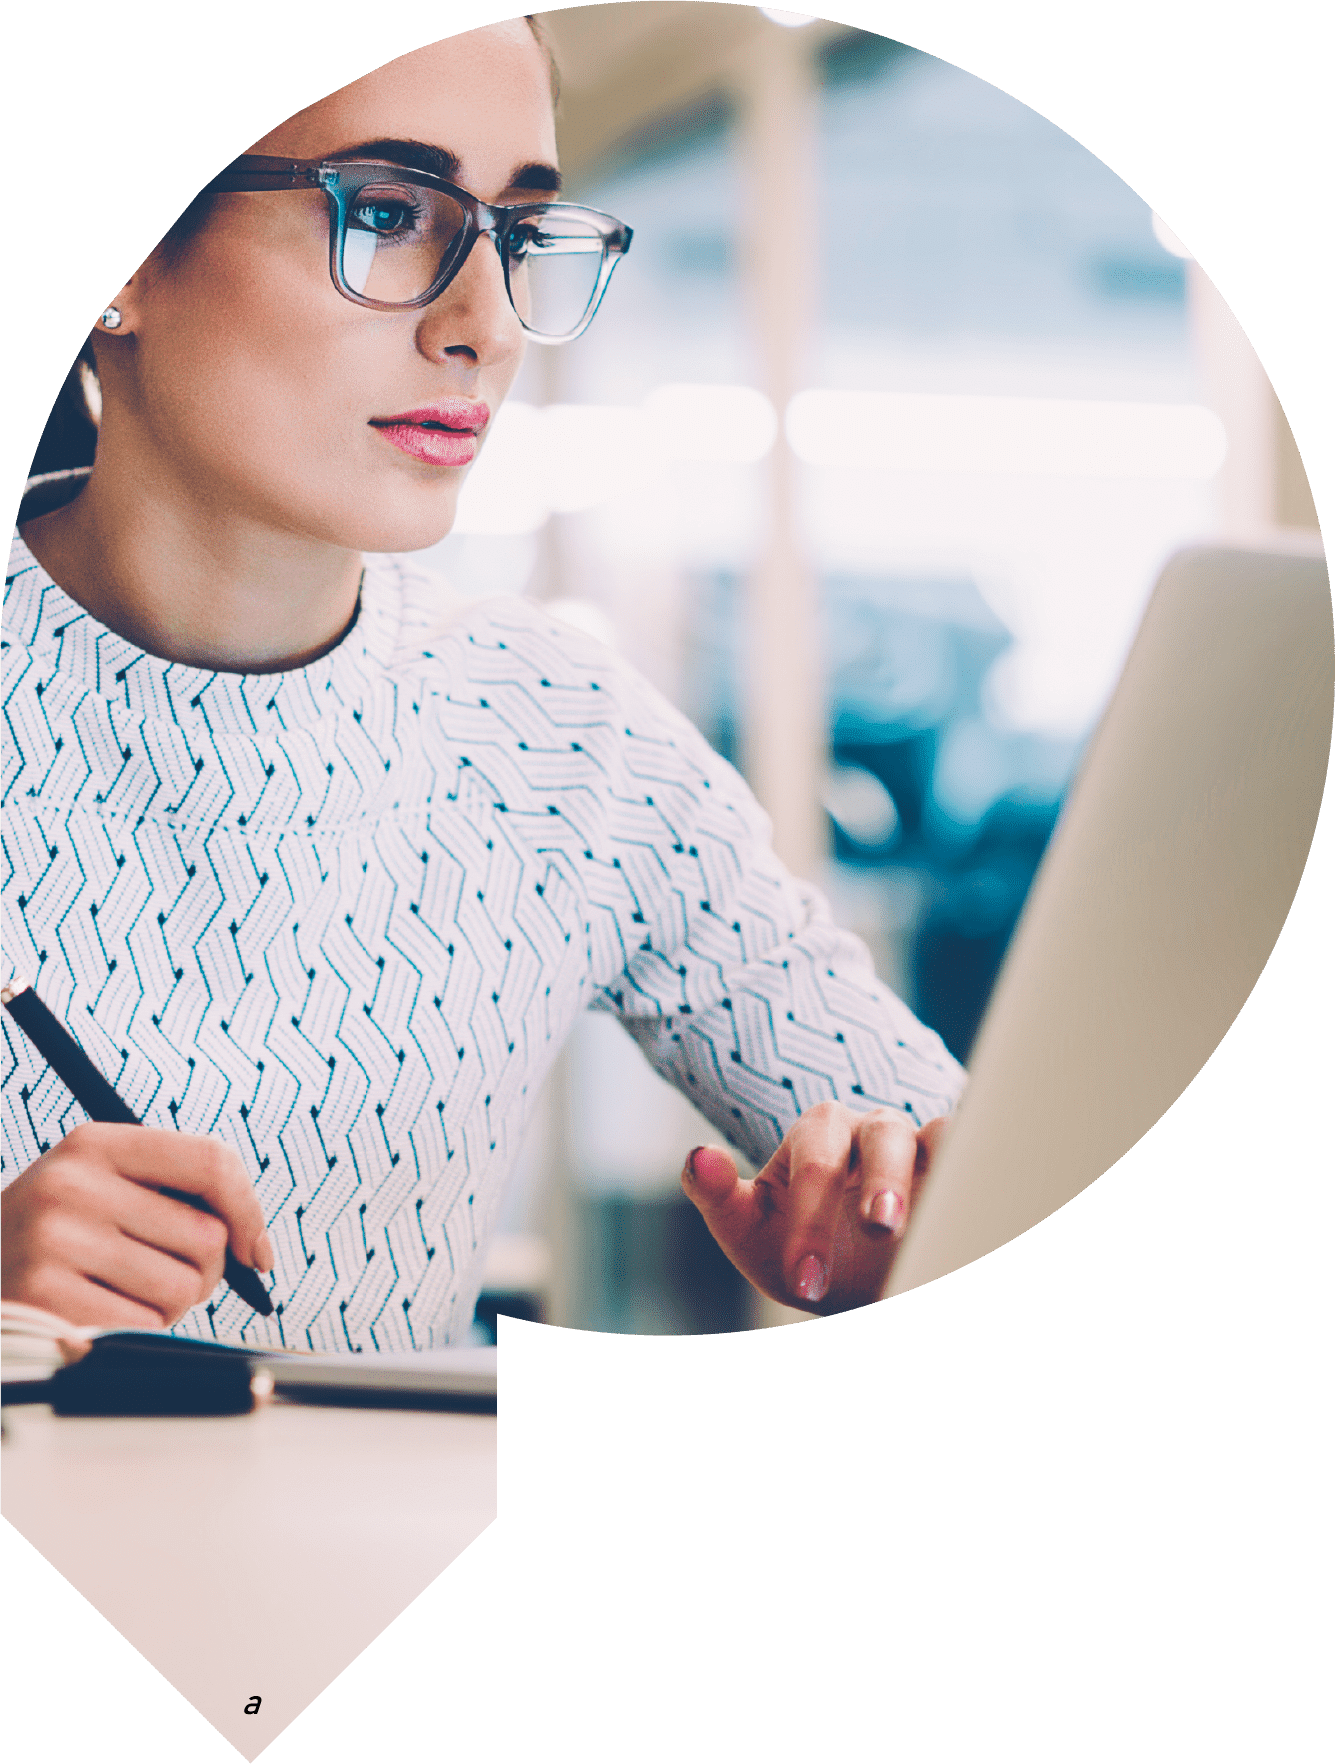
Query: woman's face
[[242, 372]]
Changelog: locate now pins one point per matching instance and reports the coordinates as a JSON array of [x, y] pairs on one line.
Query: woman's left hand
[[819, 1226]]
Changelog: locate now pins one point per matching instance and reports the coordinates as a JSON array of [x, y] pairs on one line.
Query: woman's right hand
[[87, 1234]]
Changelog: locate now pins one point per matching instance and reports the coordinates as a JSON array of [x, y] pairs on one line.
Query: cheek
[[258, 382], [254, 338], [262, 377]]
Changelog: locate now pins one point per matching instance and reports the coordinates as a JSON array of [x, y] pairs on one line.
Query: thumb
[[727, 1204], [710, 1176]]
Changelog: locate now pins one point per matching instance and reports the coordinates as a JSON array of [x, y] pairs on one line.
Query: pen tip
[[13, 987]]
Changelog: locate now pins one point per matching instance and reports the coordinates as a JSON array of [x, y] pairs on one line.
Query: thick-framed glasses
[[397, 238]]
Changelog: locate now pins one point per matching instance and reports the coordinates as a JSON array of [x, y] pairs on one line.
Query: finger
[[816, 1151], [931, 1137], [76, 1299], [160, 1222], [887, 1156], [728, 1204], [145, 1276], [159, 1158]]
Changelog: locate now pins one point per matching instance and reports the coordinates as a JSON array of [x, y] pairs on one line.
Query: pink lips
[[444, 434]]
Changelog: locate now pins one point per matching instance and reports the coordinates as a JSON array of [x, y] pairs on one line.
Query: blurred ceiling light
[[860, 805], [790, 20], [716, 425], [1171, 241], [1069, 438]]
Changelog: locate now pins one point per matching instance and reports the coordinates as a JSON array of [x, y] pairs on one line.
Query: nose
[[472, 320]]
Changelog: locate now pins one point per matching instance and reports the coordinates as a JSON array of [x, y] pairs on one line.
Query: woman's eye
[[522, 239], [384, 216]]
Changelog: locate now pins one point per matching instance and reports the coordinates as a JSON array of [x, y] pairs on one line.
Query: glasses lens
[[554, 262], [396, 239]]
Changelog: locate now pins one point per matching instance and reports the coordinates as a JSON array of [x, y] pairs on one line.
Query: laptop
[[1164, 888]]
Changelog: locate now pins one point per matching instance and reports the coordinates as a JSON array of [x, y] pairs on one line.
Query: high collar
[[41, 617]]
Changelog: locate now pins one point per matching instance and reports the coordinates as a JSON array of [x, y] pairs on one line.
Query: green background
[[1063, 1505]]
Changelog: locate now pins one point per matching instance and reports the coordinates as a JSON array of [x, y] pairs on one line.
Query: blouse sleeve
[[727, 970]]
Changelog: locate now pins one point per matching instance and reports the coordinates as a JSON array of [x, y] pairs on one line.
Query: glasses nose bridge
[[490, 223], [484, 223]]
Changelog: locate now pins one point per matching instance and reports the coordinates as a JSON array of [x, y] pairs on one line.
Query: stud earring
[[111, 318]]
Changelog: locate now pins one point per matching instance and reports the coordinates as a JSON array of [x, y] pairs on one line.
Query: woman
[[317, 868]]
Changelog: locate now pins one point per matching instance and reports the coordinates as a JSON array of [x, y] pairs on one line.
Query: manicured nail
[[888, 1210], [262, 1256], [812, 1280]]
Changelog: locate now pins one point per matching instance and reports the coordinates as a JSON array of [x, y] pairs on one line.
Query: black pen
[[100, 1102]]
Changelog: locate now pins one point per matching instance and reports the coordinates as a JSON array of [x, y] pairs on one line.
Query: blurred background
[[870, 462]]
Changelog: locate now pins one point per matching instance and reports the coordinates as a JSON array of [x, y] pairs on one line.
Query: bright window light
[[1171, 241], [589, 453], [715, 425], [502, 493], [564, 458], [1054, 688], [1056, 437]]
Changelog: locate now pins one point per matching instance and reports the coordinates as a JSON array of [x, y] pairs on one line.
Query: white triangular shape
[[258, 1554]]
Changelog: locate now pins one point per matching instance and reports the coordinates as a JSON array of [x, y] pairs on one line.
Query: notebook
[[145, 1371]]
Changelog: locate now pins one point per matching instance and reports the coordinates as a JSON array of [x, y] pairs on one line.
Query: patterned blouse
[[344, 917]]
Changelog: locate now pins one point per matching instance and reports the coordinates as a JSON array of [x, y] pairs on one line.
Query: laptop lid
[[1162, 892]]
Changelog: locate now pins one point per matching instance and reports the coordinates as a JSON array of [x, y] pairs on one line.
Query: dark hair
[[70, 436]]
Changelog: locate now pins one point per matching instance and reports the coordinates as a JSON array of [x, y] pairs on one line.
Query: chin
[[399, 523]]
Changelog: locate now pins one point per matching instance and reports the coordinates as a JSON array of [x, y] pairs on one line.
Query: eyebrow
[[441, 163]]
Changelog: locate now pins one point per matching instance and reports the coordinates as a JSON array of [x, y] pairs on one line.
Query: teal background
[[1068, 1503]]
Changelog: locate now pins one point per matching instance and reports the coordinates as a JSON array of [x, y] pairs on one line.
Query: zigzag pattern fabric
[[344, 917]]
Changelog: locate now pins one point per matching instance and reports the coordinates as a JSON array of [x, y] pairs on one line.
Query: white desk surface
[[254, 1554]]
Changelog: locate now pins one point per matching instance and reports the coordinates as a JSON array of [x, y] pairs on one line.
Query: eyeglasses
[[398, 237]]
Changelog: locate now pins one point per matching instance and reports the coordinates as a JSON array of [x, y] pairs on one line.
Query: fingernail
[[812, 1279], [262, 1256], [691, 1159], [887, 1209]]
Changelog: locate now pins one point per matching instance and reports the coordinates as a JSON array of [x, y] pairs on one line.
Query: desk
[[255, 1554]]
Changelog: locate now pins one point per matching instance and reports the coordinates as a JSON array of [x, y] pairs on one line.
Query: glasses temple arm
[[255, 172]]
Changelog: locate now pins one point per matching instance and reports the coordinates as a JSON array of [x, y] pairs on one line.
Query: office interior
[[888, 423]]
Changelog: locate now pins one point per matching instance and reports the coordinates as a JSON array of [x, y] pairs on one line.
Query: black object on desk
[[146, 1372], [100, 1102], [129, 1374]]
